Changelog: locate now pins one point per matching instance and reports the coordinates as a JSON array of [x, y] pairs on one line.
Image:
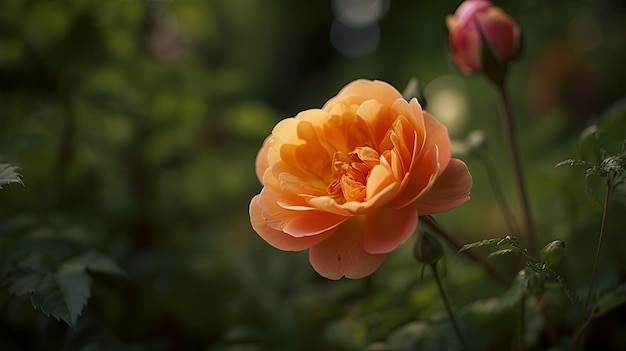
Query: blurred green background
[[136, 124]]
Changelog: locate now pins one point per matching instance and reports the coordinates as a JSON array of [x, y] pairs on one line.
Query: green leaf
[[24, 275], [64, 293], [517, 290], [26, 283], [587, 142], [482, 243], [9, 174], [605, 135], [595, 187], [612, 121], [96, 262], [571, 295], [573, 162], [501, 252], [610, 301], [508, 244]]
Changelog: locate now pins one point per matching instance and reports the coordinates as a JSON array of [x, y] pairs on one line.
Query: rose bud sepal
[[427, 249]]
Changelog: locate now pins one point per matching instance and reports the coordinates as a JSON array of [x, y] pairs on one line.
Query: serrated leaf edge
[[9, 174]]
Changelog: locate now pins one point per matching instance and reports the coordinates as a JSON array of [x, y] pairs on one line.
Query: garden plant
[[352, 175]]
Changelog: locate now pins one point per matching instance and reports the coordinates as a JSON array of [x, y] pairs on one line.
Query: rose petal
[[298, 223], [286, 132], [378, 90], [388, 227], [377, 119], [451, 189], [466, 11], [437, 134], [276, 217], [341, 126], [501, 31], [277, 238], [284, 191], [356, 208], [262, 162], [292, 184], [451, 22], [413, 112], [466, 46], [421, 179], [380, 177], [303, 161], [402, 139], [342, 254], [312, 223]]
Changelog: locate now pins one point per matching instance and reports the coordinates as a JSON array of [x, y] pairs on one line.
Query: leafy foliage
[[135, 126], [611, 300], [592, 144], [534, 279], [58, 290], [572, 162], [9, 174]]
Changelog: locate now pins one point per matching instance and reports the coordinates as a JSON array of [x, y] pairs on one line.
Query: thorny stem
[[498, 194], [486, 265], [444, 298], [508, 128]]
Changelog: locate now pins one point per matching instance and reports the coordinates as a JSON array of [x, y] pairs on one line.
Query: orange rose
[[476, 23], [348, 181]]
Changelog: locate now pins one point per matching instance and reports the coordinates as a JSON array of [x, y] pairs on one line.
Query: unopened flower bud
[[553, 252], [482, 35], [427, 249]]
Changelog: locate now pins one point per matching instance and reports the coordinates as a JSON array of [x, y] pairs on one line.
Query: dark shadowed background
[[136, 123]]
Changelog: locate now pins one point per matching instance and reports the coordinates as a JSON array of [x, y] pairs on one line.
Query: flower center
[[350, 172]]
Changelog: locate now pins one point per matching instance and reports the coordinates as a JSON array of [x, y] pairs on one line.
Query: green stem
[[579, 332], [444, 298], [594, 271], [498, 194], [607, 195], [494, 272], [508, 128]]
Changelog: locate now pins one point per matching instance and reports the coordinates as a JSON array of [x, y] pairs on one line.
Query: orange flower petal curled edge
[[349, 180]]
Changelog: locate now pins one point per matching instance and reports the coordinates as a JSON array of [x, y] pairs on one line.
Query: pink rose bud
[[476, 23]]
